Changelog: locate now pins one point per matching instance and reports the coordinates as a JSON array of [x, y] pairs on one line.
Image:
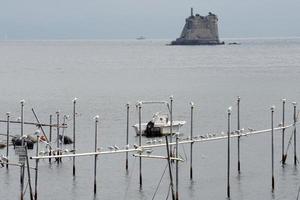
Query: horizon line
[[146, 39]]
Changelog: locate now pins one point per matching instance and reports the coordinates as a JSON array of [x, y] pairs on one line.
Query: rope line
[[168, 194], [156, 190]]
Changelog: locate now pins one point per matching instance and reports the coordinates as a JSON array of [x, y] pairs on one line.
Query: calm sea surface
[[105, 75]]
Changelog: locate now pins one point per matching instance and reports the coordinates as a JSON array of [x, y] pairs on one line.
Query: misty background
[[158, 19]]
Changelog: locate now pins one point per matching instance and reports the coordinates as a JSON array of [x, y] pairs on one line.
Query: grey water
[[105, 75]]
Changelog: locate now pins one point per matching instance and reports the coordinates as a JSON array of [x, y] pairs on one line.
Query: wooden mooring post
[[239, 132], [127, 134], [283, 131], [28, 173], [22, 168], [191, 150], [170, 168], [171, 123], [140, 142], [95, 157], [272, 146], [228, 151], [57, 135], [7, 136], [177, 170], [22, 118], [295, 131], [36, 167], [74, 135], [50, 136]]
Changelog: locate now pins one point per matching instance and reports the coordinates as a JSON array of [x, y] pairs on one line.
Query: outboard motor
[[152, 131]]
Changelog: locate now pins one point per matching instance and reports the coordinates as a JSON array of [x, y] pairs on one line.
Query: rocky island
[[199, 30]]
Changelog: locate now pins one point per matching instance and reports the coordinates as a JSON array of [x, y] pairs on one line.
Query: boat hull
[[159, 130]]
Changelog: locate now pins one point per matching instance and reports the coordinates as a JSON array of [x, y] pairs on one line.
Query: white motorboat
[[159, 126]]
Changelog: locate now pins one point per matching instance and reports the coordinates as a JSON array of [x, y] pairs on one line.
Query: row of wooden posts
[[175, 195], [140, 148]]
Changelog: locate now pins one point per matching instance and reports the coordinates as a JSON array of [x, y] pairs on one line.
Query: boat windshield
[[160, 118]]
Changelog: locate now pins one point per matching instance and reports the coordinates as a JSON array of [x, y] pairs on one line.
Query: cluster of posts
[[22, 150], [140, 148]]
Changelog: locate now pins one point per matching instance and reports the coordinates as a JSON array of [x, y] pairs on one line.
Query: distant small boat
[[159, 126], [141, 38], [234, 43]]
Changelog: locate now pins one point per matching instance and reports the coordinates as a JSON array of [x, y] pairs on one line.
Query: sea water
[[105, 75]]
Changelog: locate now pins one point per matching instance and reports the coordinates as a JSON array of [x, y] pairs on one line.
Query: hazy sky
[[118, 19]]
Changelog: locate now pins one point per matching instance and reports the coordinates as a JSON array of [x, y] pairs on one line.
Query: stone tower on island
[[199, 30]]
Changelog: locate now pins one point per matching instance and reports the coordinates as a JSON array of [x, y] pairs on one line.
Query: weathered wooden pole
[[36, 167], [50, 128], [22, 181], [283, 131], [57, 135], [239, 132], [272, 146], [95, 158], [171, 123], [170, 169], [74, 129], [295, 121], [50, 137], [127, 135], [57, 129], [228, 152], [22, 169], [22, 119], [191, 160], [177, 171], [28, 173], [7, 135], [140, 140]]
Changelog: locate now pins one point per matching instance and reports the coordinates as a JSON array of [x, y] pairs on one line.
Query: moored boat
[[160, 125]]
